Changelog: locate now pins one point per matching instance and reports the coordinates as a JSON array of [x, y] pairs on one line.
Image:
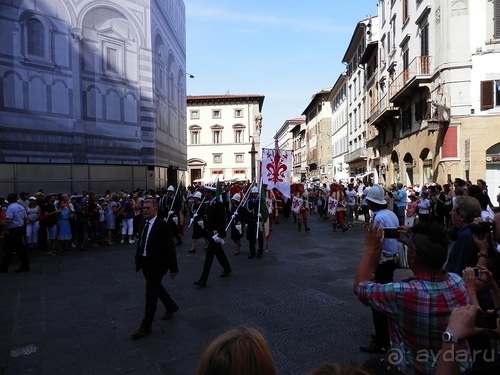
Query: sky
[[286, 50]]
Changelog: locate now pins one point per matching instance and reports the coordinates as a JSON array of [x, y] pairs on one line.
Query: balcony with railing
[[382, 109], [312, 156], [355, 155], [418, 72]]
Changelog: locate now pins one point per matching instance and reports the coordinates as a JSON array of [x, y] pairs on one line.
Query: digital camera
[[482, 227]]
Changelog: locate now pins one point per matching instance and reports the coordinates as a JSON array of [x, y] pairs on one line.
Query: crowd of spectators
[[451, 234]]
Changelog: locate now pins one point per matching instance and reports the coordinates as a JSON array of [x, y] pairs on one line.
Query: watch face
[[448, 337]]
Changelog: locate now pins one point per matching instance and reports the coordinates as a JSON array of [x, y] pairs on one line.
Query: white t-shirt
[[351, 196]]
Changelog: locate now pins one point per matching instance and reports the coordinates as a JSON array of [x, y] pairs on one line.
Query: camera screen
[[476, 271], [391, 233], [486, 320]]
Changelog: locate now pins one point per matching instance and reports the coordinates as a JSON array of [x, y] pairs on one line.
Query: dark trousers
[[383, 274], [175, 231], [154, 291], [252, 240], [14, 242], [214, 250], [81, 233]]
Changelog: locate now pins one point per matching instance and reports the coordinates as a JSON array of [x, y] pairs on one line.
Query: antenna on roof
[[227, 92]]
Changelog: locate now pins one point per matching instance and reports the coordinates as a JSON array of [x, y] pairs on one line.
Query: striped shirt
[[418, 308]]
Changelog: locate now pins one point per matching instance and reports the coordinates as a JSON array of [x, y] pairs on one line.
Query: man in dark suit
[[215, 231], [155, 256]]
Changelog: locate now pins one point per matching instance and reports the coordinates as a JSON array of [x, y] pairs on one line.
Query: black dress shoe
[[259, 255], [251, 256], [200, 283], [225, 274], [169, 313], [308, 229], [22, 269], [373, 347], [140, 333]]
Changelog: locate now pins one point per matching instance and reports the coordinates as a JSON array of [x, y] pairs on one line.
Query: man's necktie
[[144, 236]]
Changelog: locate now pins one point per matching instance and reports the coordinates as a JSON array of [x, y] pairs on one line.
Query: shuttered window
[[487, 99], [449, 148], [496, 18]]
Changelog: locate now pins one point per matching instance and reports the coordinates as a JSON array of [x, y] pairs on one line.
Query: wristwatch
[[448, 337]]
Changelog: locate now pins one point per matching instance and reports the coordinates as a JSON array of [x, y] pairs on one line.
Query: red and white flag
[[297, 204], [332, 205], [277, 169]]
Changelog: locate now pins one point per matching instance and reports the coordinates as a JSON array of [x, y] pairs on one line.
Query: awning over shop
[[216, 177], [240, 177], [236, 177]]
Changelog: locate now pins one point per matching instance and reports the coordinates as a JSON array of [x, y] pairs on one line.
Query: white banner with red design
[[332, 205], [297, 204], [277, 169], [270, 205]]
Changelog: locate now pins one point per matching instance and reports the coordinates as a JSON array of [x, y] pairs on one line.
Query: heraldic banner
[[277, 169]]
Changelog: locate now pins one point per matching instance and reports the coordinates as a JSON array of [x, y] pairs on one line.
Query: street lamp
[[190, 75]]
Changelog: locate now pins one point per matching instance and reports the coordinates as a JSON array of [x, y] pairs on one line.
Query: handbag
[[401, 257], [121, 214]]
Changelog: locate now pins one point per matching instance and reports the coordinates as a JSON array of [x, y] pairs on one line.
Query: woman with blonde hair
[[242, 351]]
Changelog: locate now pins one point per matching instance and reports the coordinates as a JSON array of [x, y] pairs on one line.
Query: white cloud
[[220, 15]]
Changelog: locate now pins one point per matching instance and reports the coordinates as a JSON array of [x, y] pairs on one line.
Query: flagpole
[[173, 201]]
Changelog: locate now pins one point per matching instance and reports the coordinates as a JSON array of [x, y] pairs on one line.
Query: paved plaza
[[74, 313]]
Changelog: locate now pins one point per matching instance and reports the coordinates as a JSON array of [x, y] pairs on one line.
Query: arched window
[[35, 35], [36, 38]]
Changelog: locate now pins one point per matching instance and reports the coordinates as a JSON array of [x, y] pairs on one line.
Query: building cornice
[[193, 100]]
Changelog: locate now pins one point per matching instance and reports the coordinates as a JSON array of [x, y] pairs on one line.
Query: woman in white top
[[32, 224], [424, 207]]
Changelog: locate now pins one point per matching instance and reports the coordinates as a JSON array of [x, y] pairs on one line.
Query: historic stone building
[[285, 138], [364, 32], [300, 166], [93, 94], [438, 81], [339, 129], [224, 137], [318, 115]]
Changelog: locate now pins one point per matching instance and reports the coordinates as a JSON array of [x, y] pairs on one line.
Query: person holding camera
[[417, 308], [465, 251], [383, 217], [472, 248], [463, 325]]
